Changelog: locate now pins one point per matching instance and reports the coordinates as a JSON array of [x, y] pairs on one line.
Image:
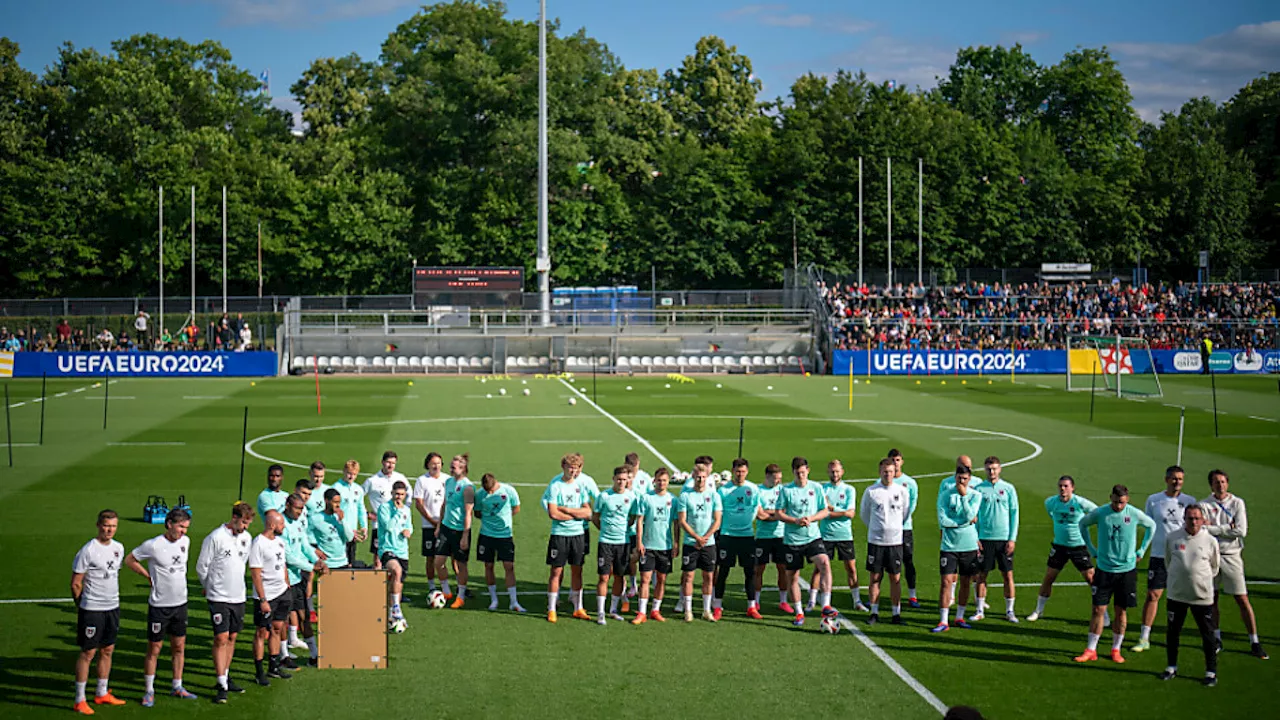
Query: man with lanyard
[[1118, 552], [1165, 508], [740, 499], [908, 533]]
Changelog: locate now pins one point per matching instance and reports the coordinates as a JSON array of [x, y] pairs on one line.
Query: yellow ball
[[917, 382], [252, 384], [964, 382], [988, 382], [944, 382], [806, 374], [411, 382]]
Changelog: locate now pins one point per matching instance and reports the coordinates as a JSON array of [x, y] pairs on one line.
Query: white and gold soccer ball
[[399, 625], [436, 600], [573, 401], [829, 625], [526, 392]]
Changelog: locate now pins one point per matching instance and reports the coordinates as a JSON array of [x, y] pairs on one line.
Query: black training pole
[[594, 361], [44, 378], [106, 397], [1093, 381], [1213, 382], [8, 426], [244, 440], [741, 425]]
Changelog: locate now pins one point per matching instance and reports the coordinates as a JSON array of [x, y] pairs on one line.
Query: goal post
[[1125, 365]]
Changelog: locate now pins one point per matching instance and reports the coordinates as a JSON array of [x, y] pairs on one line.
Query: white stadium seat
[[403, 362], [624, 363], [731, 361], [415, 362], [646, 362], [298, 362], [348, 362], [486, 362], [473, 362], [451, 362], [311, 361], [335, 361], [362, 362], [770, 361], [670, 362], [544, 361], [323, 361], [379, 361], [437, 361], [717, 361]]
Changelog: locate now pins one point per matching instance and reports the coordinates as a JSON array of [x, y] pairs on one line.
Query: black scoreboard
[[468, 279]]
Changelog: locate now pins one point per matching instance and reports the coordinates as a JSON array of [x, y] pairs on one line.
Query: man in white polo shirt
[[1192, 561], [166, 557], [428, 500], [1225, 519], [884, 509], [1165, 508], [223, 556], [267, 565], [377, 490], [95, 586]]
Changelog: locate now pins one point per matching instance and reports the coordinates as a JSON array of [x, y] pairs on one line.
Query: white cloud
[[1023, 37], [1163, 76], [791, 20], [908, 63], [294, 13], [777, 15]]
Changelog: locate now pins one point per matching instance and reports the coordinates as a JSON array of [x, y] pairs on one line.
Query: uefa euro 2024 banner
[[1034, 362], [143, 364]]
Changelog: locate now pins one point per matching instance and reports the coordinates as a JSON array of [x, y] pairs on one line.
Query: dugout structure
[[353, 619], [1123, 364]]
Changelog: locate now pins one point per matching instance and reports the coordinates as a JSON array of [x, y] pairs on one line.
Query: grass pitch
[[174, 437]]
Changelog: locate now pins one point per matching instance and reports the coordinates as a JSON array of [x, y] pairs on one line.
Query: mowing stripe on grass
[[113, 397], [563, 442], [1122, 437], [851, 439], [142, 444], [422, 442], [706, 440]]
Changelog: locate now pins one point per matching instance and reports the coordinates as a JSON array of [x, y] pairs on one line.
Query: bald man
[[271, 590]]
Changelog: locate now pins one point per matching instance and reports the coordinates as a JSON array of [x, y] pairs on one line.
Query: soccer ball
[[488, 396], [573, 401], [667, 386], [399, 625], [502, 391], [768, 387], [718, 386], [835, 388], [725, 477], [436, 600], [526, 392], [830, 626], [628, 387]]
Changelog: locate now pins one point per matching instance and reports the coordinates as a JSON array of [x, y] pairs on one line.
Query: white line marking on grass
[[773, 395], [295, 442], [203, 397], [17, 405], [32, 601], [1122, 437], [113, 397], [24, 444], [1264, 419], [62, 394], [76, 390], [1244, 437], [851, 439], [973, 439], [487, 397], [143, 444], [300, 397], [1172, 405], [391, 397], [624, 427], [1046, 387]]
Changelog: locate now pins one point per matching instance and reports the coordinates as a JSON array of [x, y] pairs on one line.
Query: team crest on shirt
[[1182, 546], [155, 628], [1126, 519], [90, 631]]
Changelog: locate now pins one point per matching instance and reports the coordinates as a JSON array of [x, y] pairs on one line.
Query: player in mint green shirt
[[908, 527], [615, 511], [837, 538], [769, 547], [395, 527], [496, 504], [568, 504], [453, 534], [958, 507], [699, 516], [1066, 510], [302, 562], [328, 531], [1118, 553], [802, 505], [273, 497], [740, 500], [653, 542], [998, 533]]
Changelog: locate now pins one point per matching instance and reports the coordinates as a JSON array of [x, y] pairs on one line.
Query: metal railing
[[1261, 333], [485, 321]]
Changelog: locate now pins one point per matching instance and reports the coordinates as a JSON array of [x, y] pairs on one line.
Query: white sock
[[1171, 669], [657, 605], [782, 595], [102, 687], [1117, 641], [1040, 603], [431, 585], [395, 600], [149, 682], [1253, 639], [177, 683], [757, 597], [755, 602], [826, 599], [293, 634], [982, 604], [80, 692], [614, 601], [644, 606], [875, 608], [635, 586], [222, 681], [911, 592], [600, 605], [1146, 633], [1008, 605], [857, 595], [1093, 642], [511, 593], [577, 599], [959, 613], [553, 599], [686, 603], [680, 604], [946, 616], [897, 608], [1106, 618], [493, 593], [813, 596], [706, 603], [315, 649], [1217, 634], [717, 603]]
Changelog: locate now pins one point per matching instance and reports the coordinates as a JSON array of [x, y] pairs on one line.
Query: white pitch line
[[1122, 437], [1265, 419], [1046, 387], [113, 397], [647, 445], [1172, 405], [295, 442], [705, 440], [391, 397], [425, 442], [976, 439], [143, 444], [563, 442], [23, 444], [203, 397], [773, 395]]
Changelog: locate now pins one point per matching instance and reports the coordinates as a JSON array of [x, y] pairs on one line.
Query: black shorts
[[280, 609], [489, 548], [733, 550], [995, 555], [769, 550], [656, 561], [166, 621], [693, 558], [566, 550], [908, 545], [795, 555], [586, 539], [611, 559], [449, 544], [404, 564], [373, 542], [97, 628], [226, 617], [298, 597], [1124, 586], [1059, 555], [1157, 575], [886, 559], [428, 542], [841, 549], [961, 563]]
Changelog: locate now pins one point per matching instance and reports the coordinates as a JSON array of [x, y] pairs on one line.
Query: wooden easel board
[[352, 613]]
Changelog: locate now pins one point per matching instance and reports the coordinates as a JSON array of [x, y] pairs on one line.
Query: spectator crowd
[[1042, 316], [225, 334]]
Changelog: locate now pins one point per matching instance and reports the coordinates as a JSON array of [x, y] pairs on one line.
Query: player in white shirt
[[166, 557], [267, 566], [377, 490], [95, 586], [1226, 519], [1165, 508], [884, 510], [223, 556], [428, 500]]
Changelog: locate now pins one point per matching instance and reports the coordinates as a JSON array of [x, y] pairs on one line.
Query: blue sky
[[1169, 50]]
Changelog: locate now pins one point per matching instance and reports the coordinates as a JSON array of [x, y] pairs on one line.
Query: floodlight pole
[[193, 254], [161, 318], [543, 266], [859, 221], [224, 249], [920, 220], [889, 227]]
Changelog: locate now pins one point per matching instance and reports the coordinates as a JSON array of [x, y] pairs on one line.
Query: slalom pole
[[850, 385], [44, 379], [106, 397], [1093, 382], [742, 422], [316, 364], [1214, 383], [1182, 421], [8, 425], [244, 441]]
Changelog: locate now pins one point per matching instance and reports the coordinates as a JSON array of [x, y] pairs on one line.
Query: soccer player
[[1192, 560], [641, 485], [837, 537], [271, 594], [653, 543], [353, 513], [428, 500], [884, 510], [1165, 508], [1118, 553], [958, 507], [998, 532], [615, 509], [328, 530], [1065, 509], [769, 547], [304, 562], [316, 504], [801, 506], [377, 489], [453, 534], [496, 504], [908, 534], [95, 586], [710, 463], [395, 527], [166, 571], [1225, 519], [568, 503], [223, 556], [739, 500], [699, 516], [273, 497]]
